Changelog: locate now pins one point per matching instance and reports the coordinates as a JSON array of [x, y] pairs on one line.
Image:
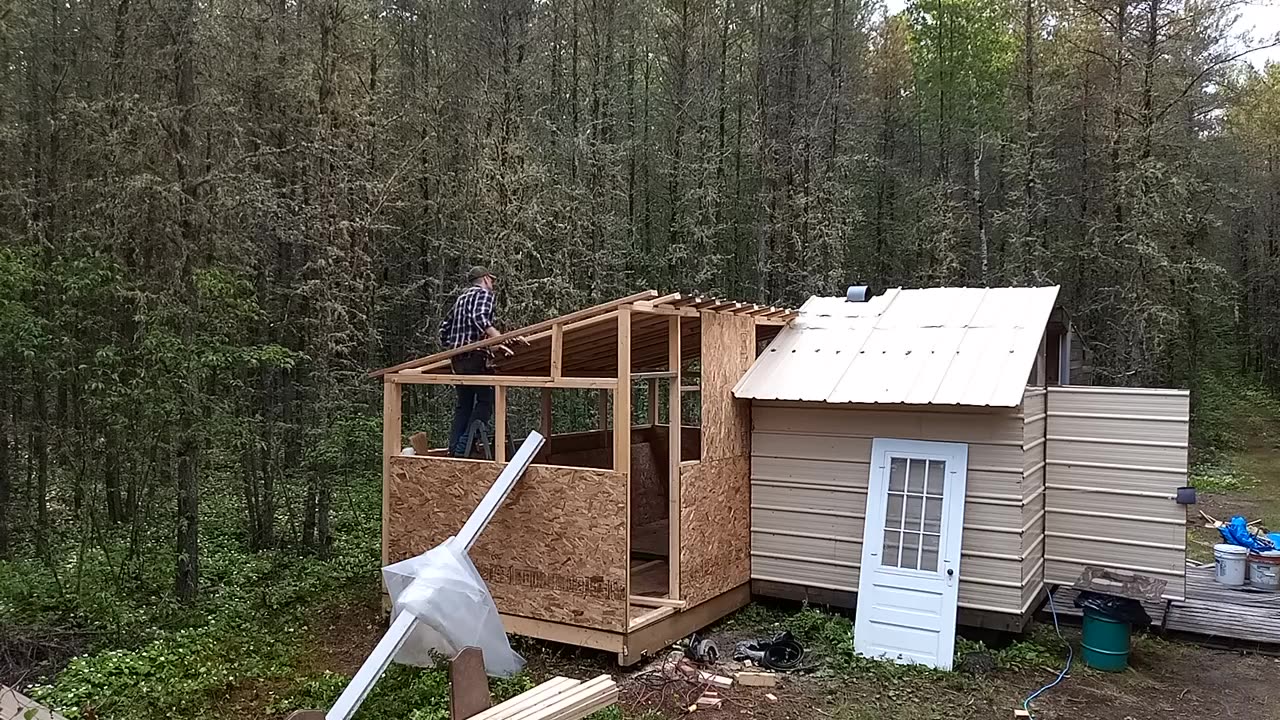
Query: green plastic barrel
[[1105, 642]]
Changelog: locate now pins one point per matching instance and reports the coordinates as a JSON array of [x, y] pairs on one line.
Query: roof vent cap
[[858, 293]]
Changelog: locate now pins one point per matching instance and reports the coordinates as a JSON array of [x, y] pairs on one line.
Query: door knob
[[950, 572]]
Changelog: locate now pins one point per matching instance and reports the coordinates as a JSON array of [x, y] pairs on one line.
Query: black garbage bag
[[1114, 607]]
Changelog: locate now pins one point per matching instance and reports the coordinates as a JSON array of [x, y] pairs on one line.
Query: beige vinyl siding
[[810, 469], [1034, 424], [1115, 458]]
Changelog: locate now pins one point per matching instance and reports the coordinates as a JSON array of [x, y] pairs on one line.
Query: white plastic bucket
[[1230, 563], [1264, 571]]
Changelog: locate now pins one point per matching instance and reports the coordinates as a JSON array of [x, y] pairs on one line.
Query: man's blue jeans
[[475, 402]]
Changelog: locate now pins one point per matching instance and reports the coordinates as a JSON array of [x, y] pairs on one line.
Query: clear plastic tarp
[[443, 589]]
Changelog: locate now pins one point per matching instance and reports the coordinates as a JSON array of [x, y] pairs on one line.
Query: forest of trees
[[217, 216]]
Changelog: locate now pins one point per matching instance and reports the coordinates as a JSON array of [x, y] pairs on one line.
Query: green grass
[[151, 658]]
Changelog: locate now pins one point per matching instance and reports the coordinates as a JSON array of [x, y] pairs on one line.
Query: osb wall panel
[[715, 527], [556, 550], [728, 350]]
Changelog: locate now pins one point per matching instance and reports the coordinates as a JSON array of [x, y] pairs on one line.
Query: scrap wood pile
[[695, 678], [559, 698]]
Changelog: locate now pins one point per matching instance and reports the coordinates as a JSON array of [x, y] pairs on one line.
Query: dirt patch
[[341, 637], [1170, 681]]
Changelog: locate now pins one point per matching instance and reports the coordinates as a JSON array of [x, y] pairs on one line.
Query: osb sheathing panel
[[556, 550], [728, 350], [715, 527]]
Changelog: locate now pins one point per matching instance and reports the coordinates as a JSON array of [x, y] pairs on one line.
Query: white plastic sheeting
[[443, 589]]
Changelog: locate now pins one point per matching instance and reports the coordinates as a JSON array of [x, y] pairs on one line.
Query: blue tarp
[[1237, 532]]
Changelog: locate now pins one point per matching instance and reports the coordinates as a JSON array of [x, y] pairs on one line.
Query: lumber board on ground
[[529, 698]]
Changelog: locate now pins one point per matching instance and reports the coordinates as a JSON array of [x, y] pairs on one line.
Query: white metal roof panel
[[932, 346]]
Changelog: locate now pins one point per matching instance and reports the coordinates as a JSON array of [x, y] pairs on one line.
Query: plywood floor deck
[[649, 577], [1211, 610]]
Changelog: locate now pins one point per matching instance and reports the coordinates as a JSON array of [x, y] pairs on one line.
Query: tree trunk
[[187, 442]]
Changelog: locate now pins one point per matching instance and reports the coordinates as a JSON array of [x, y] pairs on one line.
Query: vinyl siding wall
[[810, 468], [1034, 421], [1115, 458]]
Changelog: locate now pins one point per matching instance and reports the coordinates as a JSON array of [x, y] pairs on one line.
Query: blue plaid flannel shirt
[[472, 312]]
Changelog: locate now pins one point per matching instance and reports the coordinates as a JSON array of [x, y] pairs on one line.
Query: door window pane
[[910, 550], [893, 513], [915, 476], [933, 514], [915, 513], [892, 544], [929, 552], [897, 474], [937, 476]]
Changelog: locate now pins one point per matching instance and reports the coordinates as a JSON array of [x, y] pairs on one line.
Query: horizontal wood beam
[[524, 331], [653, 375], [504, 381], [656, 602]]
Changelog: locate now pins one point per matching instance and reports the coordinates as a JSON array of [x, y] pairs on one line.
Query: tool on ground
[[782, 652], [406, 622], [701, 650]]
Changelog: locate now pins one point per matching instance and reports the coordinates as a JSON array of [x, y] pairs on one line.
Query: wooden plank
[[504, 381], [602, 409], [622, 423], [663, 633], [530, 698], [674, 436], [500, 424], [651, 390], [557, 350], [650, 617], [564, 633], [585, 694], [468, 685], [391, 432], [522, 332], [622, 396], [657, 375], [657, 602]]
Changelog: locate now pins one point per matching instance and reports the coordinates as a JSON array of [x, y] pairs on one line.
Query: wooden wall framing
[[558, 551]]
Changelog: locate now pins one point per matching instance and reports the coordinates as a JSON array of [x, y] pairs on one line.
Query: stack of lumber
[[559, 698]]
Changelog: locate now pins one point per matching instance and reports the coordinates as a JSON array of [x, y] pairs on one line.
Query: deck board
[[1210, 610]]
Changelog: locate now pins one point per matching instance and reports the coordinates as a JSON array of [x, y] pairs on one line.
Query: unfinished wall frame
[[615, 570]]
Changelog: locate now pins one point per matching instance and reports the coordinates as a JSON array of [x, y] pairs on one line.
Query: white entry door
[[910, 574]]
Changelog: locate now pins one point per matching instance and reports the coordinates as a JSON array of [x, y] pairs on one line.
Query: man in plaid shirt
[[471, 320]]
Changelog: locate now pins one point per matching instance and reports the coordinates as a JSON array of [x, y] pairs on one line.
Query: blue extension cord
[[1026, 704]]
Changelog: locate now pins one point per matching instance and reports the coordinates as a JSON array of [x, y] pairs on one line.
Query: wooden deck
[[1218, 612]]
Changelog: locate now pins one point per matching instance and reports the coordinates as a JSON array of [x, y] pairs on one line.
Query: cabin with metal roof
[[624, 537], [910, 459]]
